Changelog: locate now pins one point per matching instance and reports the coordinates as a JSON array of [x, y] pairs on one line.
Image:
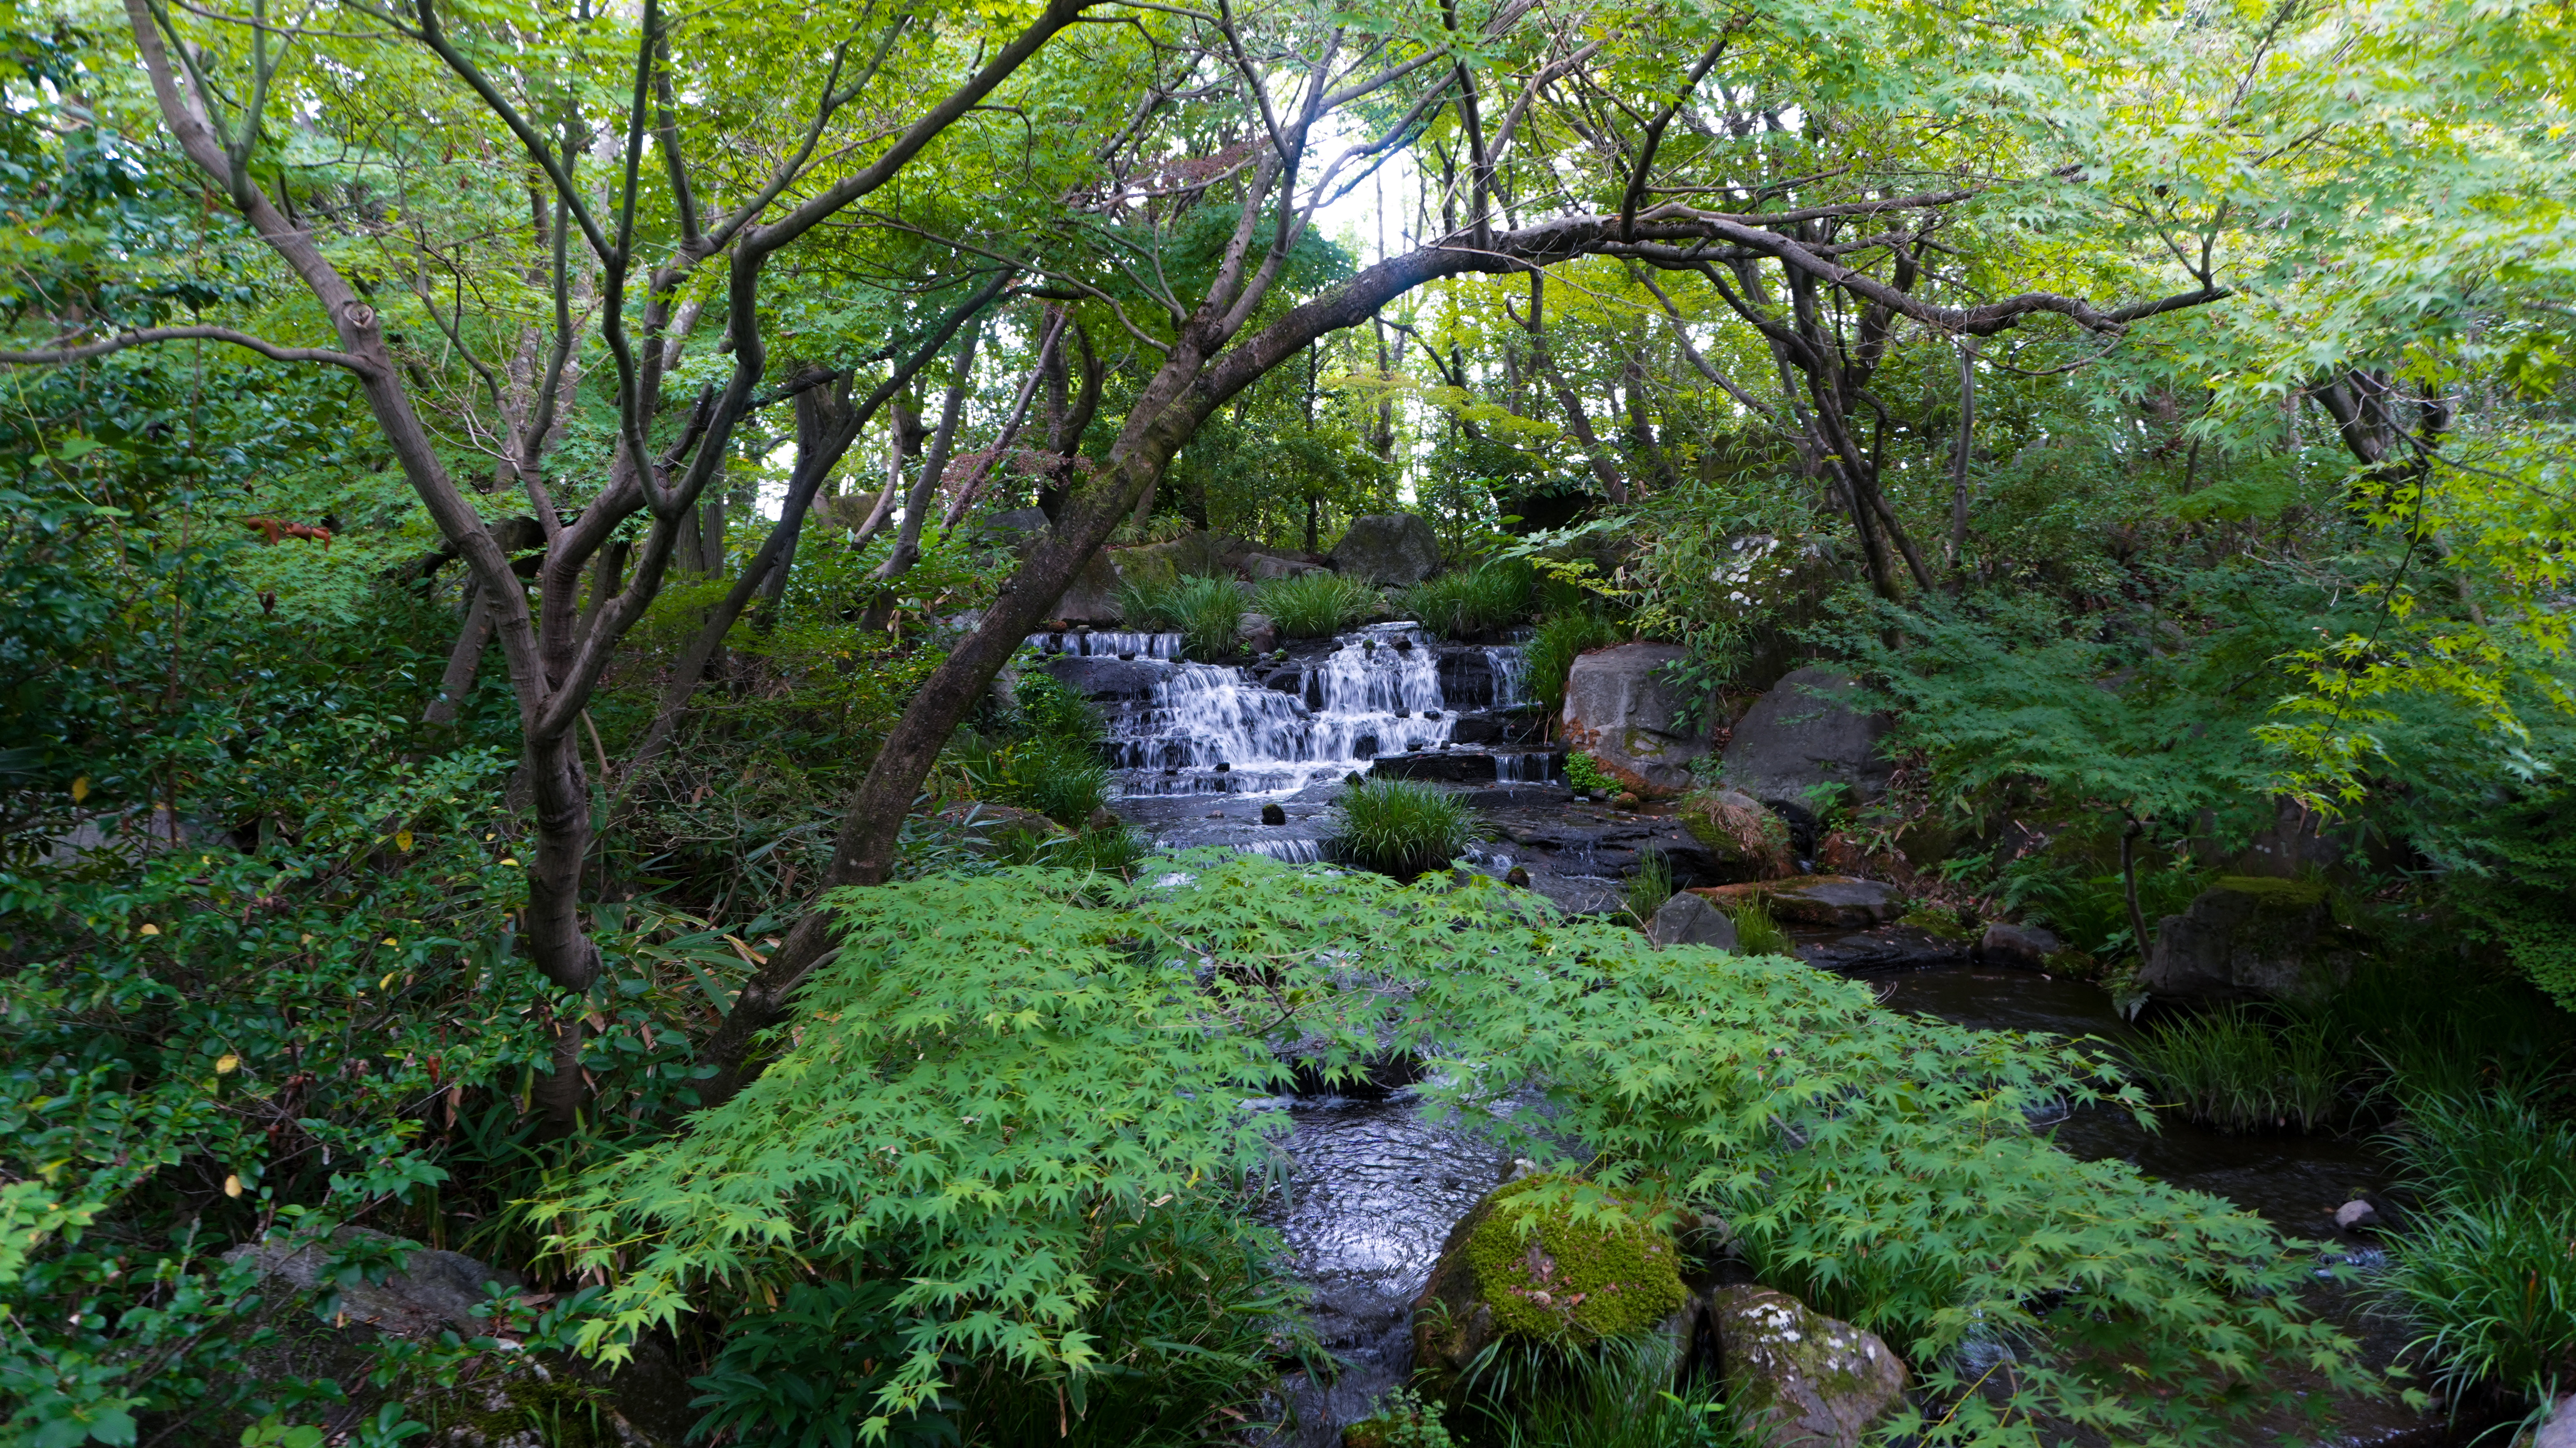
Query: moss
[[1547, 1275], [561, 1412], [2271, 890], [1935, 920], [1739, 830]]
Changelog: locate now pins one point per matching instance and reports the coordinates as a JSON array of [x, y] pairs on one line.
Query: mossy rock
[[1545, 1273], [1797, 1378], [2275, 891], [1938, 921], [1746, 840]]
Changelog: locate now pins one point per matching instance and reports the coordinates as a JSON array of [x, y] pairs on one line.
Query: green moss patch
[[2271, 890], [1551, 1273]]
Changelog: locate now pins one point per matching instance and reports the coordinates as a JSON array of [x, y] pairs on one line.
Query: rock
[[1837, 902], [1795, 1377], [982, 822], [1687, 919], [1384, 548], [1746, 841], [1475, 729], [1466, 677], [1015, 529], [1883, 947], [1258, 633], [1092, 597], [1517, 875], [1620, 709], [1567, 1280], [2355, 1213], [1103, 818], [435, 1290], [2023, 947], [1263, 567], [1272, 814], [1453, 766], [1193, 554], [1799, 735], [1104, 678], [2248, 935]]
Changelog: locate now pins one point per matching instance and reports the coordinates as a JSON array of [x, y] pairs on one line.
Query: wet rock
[[1384, 548], [2354, 1214], [1107, 679], [1620, 708], [1475, 729], [1800, 735], [987, 824], [1287, 681], [1744, 840], [1569, 1279], [1795, 1377], [1517, 875], [1826, 901], [1455, 766], [1258, 633], [2559, 1431], [1687, 919], [1466, 677], [1272, 814], [2024, 947], [1882, 948], [2249, 936]]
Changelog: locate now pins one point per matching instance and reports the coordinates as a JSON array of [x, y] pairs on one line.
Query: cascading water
[[1108, 644], [1212, 729]]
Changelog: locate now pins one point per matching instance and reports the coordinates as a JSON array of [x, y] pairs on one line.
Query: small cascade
[[1108, 644], [1523, 768], [1510, 667]]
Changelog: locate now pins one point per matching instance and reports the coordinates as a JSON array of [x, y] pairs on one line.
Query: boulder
[[2559, 1430], [1542, 1274], [1620, 709], [1106, 679], [1748, 841], [1795, 1377], [1384, 548], [1258, 633], [984, 821], [1193, 554], [2249, 935], [1092, 597], [1830, 902], [1264, 567], [1800, 735], [1014, 529], [1448, 766], [1687, 919], [434, 1291], [2023, 947]]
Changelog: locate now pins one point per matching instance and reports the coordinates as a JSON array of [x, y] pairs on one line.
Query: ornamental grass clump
[[1206, 612], [1472, 603], [1400, 827], [1756, 933], [1551, 652], [1317, 605], [2240, 1071]]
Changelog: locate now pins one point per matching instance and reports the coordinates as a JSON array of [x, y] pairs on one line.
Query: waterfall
[[1510, 668], [1524, 768], [1108, 644]]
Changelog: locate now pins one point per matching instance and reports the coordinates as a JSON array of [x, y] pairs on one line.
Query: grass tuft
[[1468, 603], [1317, 605], [1756, 933], [1206, 612], [1552, 651], [2238, 1071], [1401, 827], [1650, 885]]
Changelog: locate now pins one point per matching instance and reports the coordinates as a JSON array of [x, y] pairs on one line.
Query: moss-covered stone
[[1545, 1271], [1797, 1378], [1747, 841]]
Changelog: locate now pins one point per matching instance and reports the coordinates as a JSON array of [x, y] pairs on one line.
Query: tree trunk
[[463, 662]]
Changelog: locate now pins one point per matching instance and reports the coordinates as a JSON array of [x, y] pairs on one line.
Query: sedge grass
[[1469, 603], [1400, 827], [2236, 1070], [1756, 933], [1317, 605]]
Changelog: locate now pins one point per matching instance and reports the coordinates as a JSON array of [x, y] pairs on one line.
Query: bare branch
[[59, 353]]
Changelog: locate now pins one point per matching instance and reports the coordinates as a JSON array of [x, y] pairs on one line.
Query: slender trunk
[[463, 663], [916, 505], [1958, 550], [551, 924], [2129, 886]]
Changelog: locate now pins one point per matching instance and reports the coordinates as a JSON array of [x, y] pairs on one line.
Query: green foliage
[[1051, 709], [1059, 778], [1552, 648], [2484, 1273], [1475, 602], [995, 1066], [2237, 1071], [1318, 604], [1570, 1266], [806, 1373], [1585, 774], [1400, 827], [1649, 885], [1619, 1394], [1206, 612], [1401, 1420], [1756, 933]]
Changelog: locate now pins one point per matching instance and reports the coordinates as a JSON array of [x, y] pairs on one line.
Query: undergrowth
[[1318, 604], [1206, 612], [2239, 1071], [1400, 827], [1552, 649], [1473, 603]]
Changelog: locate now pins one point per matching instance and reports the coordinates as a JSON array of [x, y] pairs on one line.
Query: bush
[[1206, 612], [2238, 1071], [2485, 1273], [1400, 827], [1467, 603], [1552, 651], [1586, 775], [1051, 710], [1056, 777], [1317, 605]]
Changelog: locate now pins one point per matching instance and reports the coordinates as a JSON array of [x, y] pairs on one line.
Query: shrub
[[1586, 775], [1058, 778], [1476, 602], [1552, 651], [2237, 1071], [1400, 827], [1317, 605], [1051, 710], [1054, 1053]]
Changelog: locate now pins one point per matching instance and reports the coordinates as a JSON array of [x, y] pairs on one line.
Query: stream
[[1373, 1187]]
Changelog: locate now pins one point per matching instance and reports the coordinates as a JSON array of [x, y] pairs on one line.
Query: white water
[[1102, 643]]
